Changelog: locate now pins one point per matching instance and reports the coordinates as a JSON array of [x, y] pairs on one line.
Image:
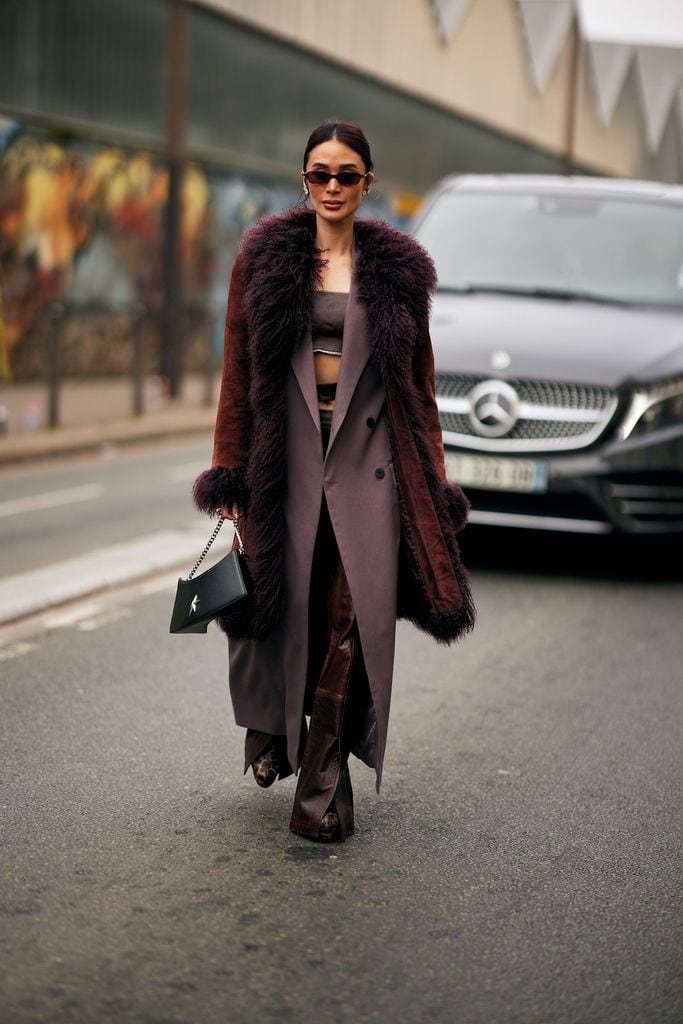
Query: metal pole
[[171, 356], [570, 125], [56, 314], [208, 373], [138, 359]]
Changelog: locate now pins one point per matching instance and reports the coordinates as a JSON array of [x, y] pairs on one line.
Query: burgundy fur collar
[[280, 266]]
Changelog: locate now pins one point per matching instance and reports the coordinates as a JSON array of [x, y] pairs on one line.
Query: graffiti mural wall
[[83, 223]]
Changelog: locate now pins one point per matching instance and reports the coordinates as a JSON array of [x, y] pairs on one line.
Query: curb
[[47, 444]]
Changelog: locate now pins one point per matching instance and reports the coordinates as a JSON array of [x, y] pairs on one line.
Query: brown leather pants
[[336, 694], [324, 775]]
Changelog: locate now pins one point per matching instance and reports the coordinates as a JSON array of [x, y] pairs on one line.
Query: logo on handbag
[[195, 602]]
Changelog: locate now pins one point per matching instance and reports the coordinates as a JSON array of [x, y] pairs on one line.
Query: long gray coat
[[268, 344]]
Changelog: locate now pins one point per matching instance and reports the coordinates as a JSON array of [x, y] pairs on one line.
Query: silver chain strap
[[210, 541]]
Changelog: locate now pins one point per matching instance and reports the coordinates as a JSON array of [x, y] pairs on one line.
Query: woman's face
[[334, 202]]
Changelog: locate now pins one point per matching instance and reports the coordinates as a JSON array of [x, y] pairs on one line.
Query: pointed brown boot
[[266, 767]]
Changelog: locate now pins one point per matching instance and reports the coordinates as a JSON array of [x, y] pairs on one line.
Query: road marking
[[51, 499], [85, 615], [188, 471], [154, 586], [70, 616], [43, 590], [16, 650], [104, 619]]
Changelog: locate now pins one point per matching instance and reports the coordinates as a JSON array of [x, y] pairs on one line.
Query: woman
[[328, 449]]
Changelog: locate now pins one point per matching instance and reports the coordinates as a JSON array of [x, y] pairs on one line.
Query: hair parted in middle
[[350, 134]]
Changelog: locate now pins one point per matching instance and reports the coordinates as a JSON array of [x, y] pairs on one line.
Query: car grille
[[549, 414]]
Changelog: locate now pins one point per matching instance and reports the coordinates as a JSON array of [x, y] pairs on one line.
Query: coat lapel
[[355, 353], [304, 371]]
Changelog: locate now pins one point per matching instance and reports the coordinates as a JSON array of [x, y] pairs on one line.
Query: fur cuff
[[445, 628], [220, 486], [457, 504]]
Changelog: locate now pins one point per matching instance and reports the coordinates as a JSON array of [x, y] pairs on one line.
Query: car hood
[[557, 340]]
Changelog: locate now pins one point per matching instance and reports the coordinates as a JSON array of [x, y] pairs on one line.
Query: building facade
[[466, 85]]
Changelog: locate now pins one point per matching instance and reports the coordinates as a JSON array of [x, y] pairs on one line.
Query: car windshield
[[606, 249]]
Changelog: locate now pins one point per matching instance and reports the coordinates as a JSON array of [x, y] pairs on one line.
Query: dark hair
[[350, 134]]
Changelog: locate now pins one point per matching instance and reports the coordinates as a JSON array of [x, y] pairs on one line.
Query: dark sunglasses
[[324, 177]]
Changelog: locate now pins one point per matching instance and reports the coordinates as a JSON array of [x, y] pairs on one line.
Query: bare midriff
[[326, 372]]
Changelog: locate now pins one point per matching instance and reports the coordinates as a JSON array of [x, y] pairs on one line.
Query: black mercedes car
[[558, 343]]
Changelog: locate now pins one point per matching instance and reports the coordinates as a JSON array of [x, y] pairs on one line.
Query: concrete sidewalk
[[95, 413]]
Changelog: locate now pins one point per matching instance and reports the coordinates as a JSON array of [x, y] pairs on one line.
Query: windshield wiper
[[562, 294]]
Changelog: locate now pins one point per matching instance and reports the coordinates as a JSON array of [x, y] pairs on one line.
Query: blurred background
[[138, 138]]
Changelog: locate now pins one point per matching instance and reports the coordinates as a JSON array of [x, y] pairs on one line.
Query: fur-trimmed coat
[[395, 515]]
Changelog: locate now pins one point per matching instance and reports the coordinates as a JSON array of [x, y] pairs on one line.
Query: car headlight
[[654, 407]]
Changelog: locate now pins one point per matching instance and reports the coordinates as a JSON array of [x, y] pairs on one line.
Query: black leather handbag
[[201, 599]]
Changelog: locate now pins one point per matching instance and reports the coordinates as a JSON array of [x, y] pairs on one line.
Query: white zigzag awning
[[609, 64], [544, 27], [617, 33], [449, 14], [649, 33], [660, 73]]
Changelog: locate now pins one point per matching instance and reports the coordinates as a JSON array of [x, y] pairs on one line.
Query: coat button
[[379, 473], [370, 422]]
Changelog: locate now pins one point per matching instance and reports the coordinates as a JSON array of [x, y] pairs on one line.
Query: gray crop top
[[327, 321]]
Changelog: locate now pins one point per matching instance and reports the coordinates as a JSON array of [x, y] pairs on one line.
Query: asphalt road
[[522, 864], [65, 508]]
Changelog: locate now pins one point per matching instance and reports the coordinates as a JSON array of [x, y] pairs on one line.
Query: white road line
[[85, 615], [166, 582], [188, 471], [61, 618], [50, 499], [17, 650], [107, 617], [41, 590]]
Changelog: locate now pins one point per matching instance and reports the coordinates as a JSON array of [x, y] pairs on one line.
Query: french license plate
[[496, 474]]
